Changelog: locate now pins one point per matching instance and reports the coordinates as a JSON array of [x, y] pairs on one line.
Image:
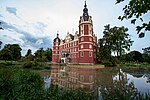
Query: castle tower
[[56, 53], [86, 38]]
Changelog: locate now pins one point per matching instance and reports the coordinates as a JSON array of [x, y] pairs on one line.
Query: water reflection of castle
[[80, 77]]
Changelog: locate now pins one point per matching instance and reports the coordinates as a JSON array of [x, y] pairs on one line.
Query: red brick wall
[[86, 29]]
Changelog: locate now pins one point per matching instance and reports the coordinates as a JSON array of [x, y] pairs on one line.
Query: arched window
[[81, 54], [90, 39], [90, 46], [81, 46], [90, 54]]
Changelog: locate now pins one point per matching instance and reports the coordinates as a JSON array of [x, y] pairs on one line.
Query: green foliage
[[146, 54], [108, 63], [30, 57], [35, 65], [14, 52], [6, 54], [134, 56], [28, 52], [27, 64], [55, 93], [43, 55], [115, 40], [135, 11], [146, 51], [16, 84]]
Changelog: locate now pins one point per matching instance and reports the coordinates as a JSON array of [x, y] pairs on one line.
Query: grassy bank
[[135, 66], [20, 84]]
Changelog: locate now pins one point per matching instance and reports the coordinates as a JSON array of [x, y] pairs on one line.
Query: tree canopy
[[14, 49], [6, 54], [28, 52], [146, 54], [135, 10], [115, 40], [43, 55], [134, 56]]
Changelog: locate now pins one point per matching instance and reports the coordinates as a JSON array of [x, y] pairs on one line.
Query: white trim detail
[[86, 35], [85, 42], [86, 50]]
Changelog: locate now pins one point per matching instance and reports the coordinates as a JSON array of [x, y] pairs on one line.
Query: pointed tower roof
[[85, 12], [57, 38]]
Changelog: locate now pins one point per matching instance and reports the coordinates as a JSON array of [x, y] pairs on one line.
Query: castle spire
[[85, 12], [57, 34], [85, 5]]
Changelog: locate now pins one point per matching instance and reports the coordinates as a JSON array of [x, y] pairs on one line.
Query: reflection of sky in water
[[47, 82], [140, 83]]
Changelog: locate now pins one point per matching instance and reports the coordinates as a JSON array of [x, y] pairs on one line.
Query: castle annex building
[[80, 48]]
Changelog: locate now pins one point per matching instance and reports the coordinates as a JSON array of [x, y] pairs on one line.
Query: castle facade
[[80, 48]]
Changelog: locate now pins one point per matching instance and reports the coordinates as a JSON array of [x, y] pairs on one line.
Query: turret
[[56, 43], [86, 37]]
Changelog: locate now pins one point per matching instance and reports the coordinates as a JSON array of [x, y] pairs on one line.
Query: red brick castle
[[80, 48]]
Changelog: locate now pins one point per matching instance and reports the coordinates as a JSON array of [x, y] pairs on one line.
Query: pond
[[95, 80]]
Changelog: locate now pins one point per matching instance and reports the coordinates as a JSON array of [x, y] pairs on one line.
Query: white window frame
[[90, 46], [81, 54], [82, 46], [90, 54]]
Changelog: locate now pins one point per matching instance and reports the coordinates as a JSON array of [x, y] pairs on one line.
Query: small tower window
[[81, 54], [81, 46], [90, 54], [82, 39], [81, 32], [90, 39], [90, 46], [81, 78]]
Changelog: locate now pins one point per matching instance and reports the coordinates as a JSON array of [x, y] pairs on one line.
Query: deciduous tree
[[28, 52], [146, 54], [135, 10], [6, 54], [15, 50], [115, 40]]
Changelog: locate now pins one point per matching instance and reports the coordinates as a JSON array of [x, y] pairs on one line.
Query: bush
[[108, 63], [16, 84], [27, 64]]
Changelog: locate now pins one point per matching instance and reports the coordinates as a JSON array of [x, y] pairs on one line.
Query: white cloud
[[12, 10], [38, 22]]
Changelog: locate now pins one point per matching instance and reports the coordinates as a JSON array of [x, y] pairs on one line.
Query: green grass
[[23, 84], [132, 64]]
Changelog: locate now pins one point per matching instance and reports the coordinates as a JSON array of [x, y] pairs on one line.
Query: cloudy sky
[[34, 23]]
